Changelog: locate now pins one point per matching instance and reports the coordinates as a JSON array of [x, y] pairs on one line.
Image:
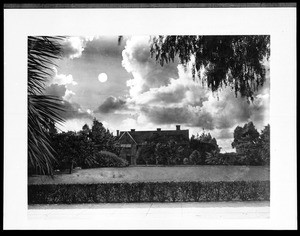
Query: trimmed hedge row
[[149, 192]]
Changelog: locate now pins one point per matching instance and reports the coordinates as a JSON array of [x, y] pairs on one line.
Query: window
[[126, 145]]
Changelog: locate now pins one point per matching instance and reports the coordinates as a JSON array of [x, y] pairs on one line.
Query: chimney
[[177, 127], [132, 130], [118, 133], [158, 129]]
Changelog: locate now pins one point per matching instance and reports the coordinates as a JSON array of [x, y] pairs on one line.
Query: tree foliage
[[213, 158], [265, 144], [204, 144], [253, 146], [168, 153], [245, 136], [158, 150], [234, 61], [195, 158], [146, 153], [87, 148], [109, 159], [43, 110], [73, 149], [102, 137]]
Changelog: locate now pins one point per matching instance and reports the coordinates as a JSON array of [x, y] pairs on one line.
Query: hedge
[[149, 192]]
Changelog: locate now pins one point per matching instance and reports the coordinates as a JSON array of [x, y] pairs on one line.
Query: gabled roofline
[[129, 136], [122, 135]]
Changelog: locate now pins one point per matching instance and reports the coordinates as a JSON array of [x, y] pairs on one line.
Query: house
[[131, 141]]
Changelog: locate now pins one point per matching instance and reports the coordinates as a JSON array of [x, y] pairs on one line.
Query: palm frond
[[42, 109]]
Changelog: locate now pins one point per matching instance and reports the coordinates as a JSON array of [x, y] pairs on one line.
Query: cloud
[[224, 134], [187, 115], [72, 110], [146, 72], [58, 87], [158, 96], [74, 124], [68, 95], [111, 104], [168, 95], [177, 91], [166, 115], [89, 47], [73, 47], [55, 90], [106, 46], [62, 79]]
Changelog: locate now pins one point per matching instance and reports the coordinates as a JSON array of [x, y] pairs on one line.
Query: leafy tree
[[244, 137], [213, 158], [73, 149], [234, 61], [109, 159], [254, 147], [195, 158], [43, 110], [167, 153], [204, 144], [103, 138], [98, 134], [265, 145], [158, 150], [86, 130], [81, 148]]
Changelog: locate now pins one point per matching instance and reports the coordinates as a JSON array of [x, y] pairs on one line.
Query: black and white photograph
[[152, 129]]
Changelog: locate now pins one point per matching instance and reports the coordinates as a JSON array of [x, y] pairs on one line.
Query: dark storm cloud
[[88, 48], [178, 115], [103, 46], [55, 90], [166, 115], [204, 120], [71, 110], [110, 105], [233, 110]]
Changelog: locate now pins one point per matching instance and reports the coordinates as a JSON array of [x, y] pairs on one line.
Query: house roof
[[126, 132], [142, 136]]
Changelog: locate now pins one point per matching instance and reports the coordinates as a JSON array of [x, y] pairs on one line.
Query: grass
[[157, 174]]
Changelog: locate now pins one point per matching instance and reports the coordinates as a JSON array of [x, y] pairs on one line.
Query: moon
[[102, 77]]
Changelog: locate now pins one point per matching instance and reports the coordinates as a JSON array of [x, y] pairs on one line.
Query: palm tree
[[43, 110]]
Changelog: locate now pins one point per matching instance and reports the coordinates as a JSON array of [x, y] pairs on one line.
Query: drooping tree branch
[[235, 61]]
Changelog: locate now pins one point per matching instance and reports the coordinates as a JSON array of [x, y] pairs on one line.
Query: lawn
[[158, 174]]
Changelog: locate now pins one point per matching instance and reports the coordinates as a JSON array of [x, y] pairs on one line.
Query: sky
[[124, 88]]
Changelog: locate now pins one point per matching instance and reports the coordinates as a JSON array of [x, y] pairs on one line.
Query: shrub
[[213, 158], [149, 192], [195, 158], [109, 159], [186, 161]]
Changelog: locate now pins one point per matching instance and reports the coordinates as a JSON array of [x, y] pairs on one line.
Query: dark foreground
[[152, 184]]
